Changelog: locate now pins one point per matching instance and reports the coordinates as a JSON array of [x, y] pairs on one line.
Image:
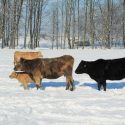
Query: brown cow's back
[[56, 67]]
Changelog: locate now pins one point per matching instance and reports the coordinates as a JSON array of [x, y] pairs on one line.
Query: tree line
[[88, 22], [14, 12], [66, 23]]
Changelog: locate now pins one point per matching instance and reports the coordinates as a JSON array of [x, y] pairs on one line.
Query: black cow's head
[[82, 67]]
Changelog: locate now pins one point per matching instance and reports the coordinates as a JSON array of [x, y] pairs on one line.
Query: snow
[[56, 106]]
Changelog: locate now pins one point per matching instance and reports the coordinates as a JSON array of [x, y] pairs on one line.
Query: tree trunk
[[123, 23], [85, 22], [92, 23], [108, 23], [26, 23]]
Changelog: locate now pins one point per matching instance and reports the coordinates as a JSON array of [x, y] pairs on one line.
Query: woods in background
[[66, 23], [12, 13]]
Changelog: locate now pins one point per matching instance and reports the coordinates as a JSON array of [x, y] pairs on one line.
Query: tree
[[35, 10], [53, 27], [85, 22], [108, 23], [124, 23], [16, 14], [91, 18]]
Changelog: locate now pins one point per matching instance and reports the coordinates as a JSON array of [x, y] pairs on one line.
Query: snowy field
[[56, 106]]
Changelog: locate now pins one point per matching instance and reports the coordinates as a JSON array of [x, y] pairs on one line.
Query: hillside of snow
[[54, 105]]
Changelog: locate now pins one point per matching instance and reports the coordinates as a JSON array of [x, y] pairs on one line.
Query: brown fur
[[50, 68], [23, 78], [26, 55]]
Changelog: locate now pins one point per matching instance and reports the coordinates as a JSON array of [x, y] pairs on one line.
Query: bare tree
[[78, 2], [68, 21], [85, 22], [26, 24], [16, 13], [124, 23], [57, 25], [108, 23], [73, 27], [62, 23], [3, 2], [53, 27], [91, 18]]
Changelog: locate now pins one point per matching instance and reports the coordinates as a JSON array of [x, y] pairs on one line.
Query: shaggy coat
[[23, 78], [50, 68], [102, 70], [26, 55]]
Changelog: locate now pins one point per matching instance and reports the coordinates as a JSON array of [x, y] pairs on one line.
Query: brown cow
[[50, 68], [26, 55], [22, 77]]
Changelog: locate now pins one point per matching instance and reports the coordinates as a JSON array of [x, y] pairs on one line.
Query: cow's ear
[[82, 62]]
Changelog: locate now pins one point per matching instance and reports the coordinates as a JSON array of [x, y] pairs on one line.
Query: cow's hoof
[[71, 89], [42, 88], [38, 87], [67, 87], [26, 88]]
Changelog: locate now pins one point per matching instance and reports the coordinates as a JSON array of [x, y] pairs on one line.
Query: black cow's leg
[[104, 86], [99, 86]]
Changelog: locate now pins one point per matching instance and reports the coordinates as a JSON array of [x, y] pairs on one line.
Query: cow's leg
[[41, 87], [69, 85], [102, 82], [25, 85], [104, 86], [37, 79], [99, 86], [37, 82]]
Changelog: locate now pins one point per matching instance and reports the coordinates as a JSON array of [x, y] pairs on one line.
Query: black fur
[[102, 70]]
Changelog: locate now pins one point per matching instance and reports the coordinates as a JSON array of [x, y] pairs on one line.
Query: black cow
[[102, 70]]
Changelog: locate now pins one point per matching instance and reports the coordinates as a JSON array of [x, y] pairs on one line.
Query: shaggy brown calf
[[50, 68], [24, 78], [26, 55]]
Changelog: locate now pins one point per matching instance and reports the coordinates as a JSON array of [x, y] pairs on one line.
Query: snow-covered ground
[[56, 106]]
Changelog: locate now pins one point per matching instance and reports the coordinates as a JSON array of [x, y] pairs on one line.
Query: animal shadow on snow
[[112, 85], [52, 84]]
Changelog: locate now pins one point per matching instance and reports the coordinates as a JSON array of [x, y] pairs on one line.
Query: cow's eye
[[84, 66]]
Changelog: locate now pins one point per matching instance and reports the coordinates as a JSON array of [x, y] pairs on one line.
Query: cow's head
[[13, 75], [20, 66], [82, 67]]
